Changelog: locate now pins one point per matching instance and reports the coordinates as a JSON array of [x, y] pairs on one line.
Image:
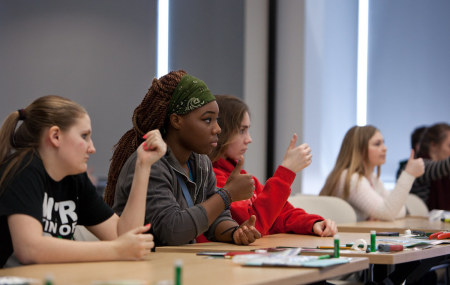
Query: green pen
[[326, 256]]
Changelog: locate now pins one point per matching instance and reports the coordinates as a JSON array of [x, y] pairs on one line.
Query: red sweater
[[274, 214]]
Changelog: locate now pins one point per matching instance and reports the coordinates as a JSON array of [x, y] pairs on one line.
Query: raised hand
[[246, 233], [134, 244], [297, 158], [325, 228], [415, 166], [240, 186], [153, 148]]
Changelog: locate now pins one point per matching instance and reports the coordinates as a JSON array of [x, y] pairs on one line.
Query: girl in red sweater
[[274, 214]]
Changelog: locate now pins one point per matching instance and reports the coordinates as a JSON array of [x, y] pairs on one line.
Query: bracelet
[[228, 194], [232, 233], [224, 197], [233, 229]]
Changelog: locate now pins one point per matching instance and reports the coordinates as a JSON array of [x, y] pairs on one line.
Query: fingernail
[[144, 145], [145, 136], [147, 225]]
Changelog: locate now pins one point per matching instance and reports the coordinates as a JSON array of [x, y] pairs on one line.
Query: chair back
[[329, 207], [415, 206]]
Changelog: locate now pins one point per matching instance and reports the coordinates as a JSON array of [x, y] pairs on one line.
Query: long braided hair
[[149, 115]]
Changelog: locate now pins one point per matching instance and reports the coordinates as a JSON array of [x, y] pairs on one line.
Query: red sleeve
[[271, 198], [239, 209], [221, 176], [267, 201], [294, 220]]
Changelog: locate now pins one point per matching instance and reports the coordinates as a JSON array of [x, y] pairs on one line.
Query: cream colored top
[[370, 199]]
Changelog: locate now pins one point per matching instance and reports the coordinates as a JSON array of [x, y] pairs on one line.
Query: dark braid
[[149, 115]]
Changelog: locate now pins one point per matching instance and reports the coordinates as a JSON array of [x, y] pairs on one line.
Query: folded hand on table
[[246, 233], [325, 228]]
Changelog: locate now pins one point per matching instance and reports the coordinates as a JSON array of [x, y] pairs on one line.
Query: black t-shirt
[[59, 206]]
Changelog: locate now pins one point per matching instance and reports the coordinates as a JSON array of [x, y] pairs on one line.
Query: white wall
[[207, 40], [255, 82], [409, 71], [224, 43], [289, 86], [102, 54], [316, 81]]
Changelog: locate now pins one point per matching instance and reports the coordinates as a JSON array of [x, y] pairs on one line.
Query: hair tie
[[21, 114]]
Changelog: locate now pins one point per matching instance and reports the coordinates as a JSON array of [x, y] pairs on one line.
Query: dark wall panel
[[100, 54]]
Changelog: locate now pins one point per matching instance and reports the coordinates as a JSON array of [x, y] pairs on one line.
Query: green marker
[[48, 279], [178, 264], [336, 246], [326, 256], [373, 241]]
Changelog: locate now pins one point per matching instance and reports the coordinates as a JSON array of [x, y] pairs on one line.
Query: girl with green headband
[[183, 203]]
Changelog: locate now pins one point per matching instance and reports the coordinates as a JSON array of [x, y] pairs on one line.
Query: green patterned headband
[[191, 93]]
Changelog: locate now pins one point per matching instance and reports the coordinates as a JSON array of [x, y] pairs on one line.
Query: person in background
[[274, 214], [434, 187], [183, 201], [45, 190], [353, 178], [416, 138]]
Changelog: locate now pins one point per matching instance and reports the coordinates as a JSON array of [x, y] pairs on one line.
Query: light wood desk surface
[[196, 270], [400, 225], [292, 240]]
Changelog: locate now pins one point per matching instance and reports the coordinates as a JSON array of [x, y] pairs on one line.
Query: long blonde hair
[[17, 142], [353, 156]]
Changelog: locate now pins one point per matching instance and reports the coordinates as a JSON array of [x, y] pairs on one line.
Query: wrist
[[232, 230], [314, 224], [115, 249], [225, 195], [229, 193], [142, 165], [410, 173], [232, 233], [285, 173], [287, 166]]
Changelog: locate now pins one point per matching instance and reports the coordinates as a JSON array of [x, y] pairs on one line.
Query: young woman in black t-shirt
[[45, 192]]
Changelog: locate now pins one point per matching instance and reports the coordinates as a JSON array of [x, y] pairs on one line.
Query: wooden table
[[400, 225], [292, 240], [196, 270]]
